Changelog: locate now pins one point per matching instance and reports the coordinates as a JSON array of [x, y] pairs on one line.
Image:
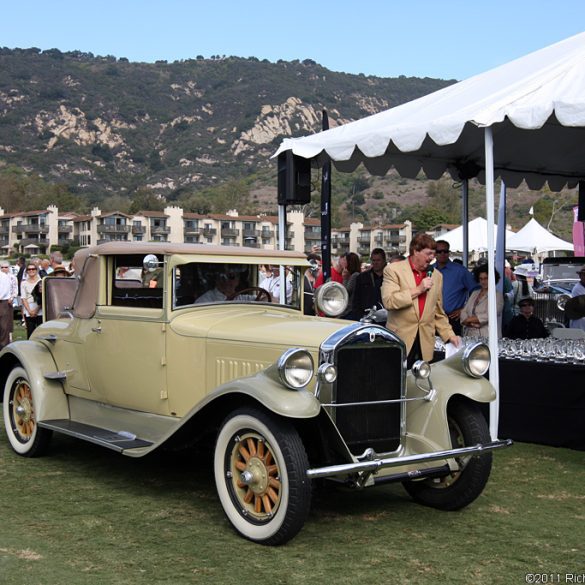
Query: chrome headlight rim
[[421, 370], [470, 359], [325, 299], [327, 373], [290, 363]]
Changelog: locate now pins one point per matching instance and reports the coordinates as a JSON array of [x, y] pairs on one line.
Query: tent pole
[[465, 220], [492, 313]]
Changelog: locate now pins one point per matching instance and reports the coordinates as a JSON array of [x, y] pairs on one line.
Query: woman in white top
[[31, 308], [474, 315]]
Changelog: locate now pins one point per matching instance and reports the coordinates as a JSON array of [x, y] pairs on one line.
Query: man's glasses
[[441, 251], [31, 269]]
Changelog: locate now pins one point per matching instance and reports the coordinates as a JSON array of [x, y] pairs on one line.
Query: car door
[[124, 348]]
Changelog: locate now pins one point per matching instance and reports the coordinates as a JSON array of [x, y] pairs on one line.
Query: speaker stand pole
[[326, 211]]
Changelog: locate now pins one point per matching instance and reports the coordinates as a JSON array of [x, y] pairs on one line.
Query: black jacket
[[367, 293]]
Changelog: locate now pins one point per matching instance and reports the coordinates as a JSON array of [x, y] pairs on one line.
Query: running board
[[118, 441]]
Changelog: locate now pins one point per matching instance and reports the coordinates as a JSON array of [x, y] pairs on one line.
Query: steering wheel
[[260, 293]]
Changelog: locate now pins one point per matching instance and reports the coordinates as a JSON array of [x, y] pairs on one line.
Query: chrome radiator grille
[[369, 373]]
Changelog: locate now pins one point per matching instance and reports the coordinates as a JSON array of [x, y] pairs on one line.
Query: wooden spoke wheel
[[460, 487], [255, 477], [260, 467], [24, 434]]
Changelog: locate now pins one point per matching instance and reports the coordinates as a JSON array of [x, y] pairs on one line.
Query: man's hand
[[455, 340]]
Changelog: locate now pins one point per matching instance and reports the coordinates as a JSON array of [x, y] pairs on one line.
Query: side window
[[138, 281]]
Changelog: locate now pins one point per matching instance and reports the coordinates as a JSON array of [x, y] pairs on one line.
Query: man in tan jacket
[[412, 293]]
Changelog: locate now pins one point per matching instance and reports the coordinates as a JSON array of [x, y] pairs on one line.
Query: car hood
[[257, 325]]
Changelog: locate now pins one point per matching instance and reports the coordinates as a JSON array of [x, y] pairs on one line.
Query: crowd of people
[[24, 289], [428, 294]]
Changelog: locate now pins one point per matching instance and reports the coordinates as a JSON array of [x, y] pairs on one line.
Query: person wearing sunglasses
[[31, 308], [227, 283], [458, 284]]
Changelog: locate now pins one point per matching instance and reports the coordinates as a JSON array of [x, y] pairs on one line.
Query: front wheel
[[260, 469], [20, 422], [467, 426]]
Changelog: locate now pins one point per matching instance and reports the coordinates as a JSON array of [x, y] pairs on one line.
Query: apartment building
[[36, 232]]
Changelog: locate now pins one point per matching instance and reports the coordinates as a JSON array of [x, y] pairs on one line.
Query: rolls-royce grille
[[369, 373]]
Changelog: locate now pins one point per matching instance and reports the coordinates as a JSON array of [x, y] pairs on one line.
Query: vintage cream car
[[153, 345]]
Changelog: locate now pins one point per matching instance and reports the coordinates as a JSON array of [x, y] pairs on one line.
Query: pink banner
[[578, 234]]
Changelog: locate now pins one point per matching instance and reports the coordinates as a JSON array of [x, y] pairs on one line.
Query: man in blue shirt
[[458, 282]]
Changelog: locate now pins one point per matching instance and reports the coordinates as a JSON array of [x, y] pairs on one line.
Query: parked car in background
[[191, 345], [553, 288]]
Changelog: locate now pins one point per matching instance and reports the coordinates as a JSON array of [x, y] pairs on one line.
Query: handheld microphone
[[430, 271]]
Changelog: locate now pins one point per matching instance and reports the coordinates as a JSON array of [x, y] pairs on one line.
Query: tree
[[446, 196], [424, 218], [145, 200]]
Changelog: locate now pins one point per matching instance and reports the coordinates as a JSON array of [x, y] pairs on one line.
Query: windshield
[[197, 283]]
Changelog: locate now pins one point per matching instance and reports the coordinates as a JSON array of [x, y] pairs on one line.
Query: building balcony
[[64, 229], [266, 234], [4, 231], [313, 236], [229, 232], [379, 241], [191, 231], [364, 250], [209, 232], [34, 241], [113, 229], [160, 230], [110, 239], [30, 228], [251, 244], [364, 240], [250, 233], [138, 229]]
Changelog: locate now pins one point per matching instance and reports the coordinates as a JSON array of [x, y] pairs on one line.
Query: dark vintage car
[[160, 345]]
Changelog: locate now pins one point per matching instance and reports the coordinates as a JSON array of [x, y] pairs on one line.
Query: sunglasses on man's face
[[442, 251]]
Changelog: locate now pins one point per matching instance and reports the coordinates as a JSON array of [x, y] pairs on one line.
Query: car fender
[[49, 397], [265, 388], [427, 425]]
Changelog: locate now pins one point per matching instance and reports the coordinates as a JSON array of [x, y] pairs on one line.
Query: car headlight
[[331, 299], [295, 368], [476, 359], [421, 369], [327, 373]]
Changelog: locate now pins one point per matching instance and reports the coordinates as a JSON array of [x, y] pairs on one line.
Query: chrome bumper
[[374, 465]]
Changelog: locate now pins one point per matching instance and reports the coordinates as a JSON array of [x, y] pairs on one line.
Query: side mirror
[[150, 263]]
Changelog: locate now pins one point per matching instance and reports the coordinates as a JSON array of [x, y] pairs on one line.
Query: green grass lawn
[[85, 515]]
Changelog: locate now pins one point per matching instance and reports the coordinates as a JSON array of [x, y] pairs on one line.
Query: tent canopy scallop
[[535, 106]]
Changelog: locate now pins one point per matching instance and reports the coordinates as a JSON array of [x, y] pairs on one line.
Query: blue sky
[[435, 38]]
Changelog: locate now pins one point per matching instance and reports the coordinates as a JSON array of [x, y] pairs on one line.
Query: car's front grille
[[369, 370]]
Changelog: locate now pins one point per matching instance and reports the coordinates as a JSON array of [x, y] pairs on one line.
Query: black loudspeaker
[[294, 179], [581, 208]]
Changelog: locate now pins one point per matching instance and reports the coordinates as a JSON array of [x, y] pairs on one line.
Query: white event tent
[[536, 239], [478, 236], [522, 120]]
